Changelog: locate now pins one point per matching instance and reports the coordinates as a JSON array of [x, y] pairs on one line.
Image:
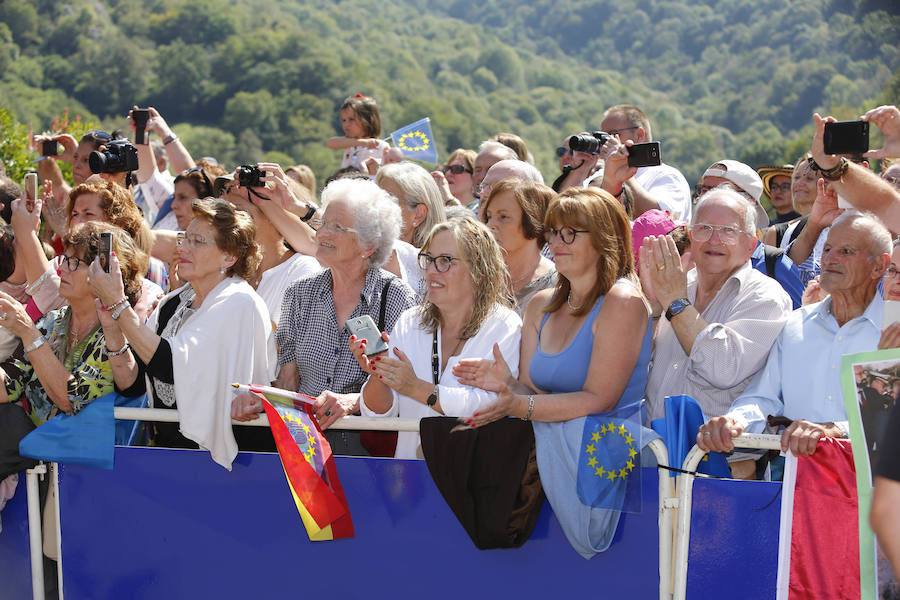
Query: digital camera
[[117, 156], [588, 143], [249, 176]]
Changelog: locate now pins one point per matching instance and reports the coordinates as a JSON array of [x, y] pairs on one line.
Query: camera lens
[[584, 143], [97, 161]]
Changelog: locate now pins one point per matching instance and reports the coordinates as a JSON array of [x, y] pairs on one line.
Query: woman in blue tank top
[[586, 342]]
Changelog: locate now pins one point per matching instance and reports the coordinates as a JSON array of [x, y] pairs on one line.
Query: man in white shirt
[[801, 379], [662, 187]]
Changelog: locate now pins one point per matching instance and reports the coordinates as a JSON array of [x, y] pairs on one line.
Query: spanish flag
[[309, 467]]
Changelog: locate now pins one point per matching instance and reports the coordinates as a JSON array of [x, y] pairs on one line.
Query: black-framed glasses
[[562, 151], [72, 262], [566, 234], [891, 273], [780, 187], [618, 131], [728, 234], [209, 187], [442, 262], [456, 169]]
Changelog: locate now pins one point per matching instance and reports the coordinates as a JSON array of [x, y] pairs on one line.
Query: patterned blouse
[[88, 362]]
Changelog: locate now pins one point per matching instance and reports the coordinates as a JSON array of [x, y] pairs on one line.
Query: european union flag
[[416, 141], [609, 464]]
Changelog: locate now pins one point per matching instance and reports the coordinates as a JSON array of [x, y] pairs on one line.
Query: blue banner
[[416, 141]]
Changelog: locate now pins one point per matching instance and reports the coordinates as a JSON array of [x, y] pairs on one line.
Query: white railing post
[[685, 497], [666, 519], [35, 534]]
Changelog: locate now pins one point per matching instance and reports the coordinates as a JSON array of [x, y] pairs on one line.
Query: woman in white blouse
[[464, 313]]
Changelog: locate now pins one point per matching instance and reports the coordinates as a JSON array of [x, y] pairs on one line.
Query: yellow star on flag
[[595, 437], [592, 462], [599, 471], [590, 449], [622, 430]]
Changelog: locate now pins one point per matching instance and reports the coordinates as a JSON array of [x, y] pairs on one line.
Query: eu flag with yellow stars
[[309, 467], [416, 141], [609, 464]]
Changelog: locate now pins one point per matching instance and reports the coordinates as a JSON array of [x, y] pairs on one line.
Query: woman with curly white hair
[[354, 238]]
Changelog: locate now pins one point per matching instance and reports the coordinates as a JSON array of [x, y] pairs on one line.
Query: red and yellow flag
[[309, 468]]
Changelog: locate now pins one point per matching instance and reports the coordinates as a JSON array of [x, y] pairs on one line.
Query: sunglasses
[[209, 187], [562, 151], [456, 169]]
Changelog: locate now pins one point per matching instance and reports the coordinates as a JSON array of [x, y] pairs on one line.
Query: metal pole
[[35, 537]]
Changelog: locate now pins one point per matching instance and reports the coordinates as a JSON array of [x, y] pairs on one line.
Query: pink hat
[[652, 222]]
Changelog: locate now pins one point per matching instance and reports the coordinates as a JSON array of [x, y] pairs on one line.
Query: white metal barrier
[[684, 499], [668, 501]]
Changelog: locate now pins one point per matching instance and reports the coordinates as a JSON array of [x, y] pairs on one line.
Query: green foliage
[[246, 80], [14, 150]]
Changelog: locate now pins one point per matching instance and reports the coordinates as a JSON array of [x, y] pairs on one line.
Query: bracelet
[[115, 305], [309, 214], [530, 408], [169, 139], [40, 341], [118, 352], [117, 312], [834, 173]]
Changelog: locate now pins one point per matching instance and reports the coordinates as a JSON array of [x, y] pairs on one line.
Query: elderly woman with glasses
[[211, 332], [73, 355], [585, 342], [465, 314], [355, 236]]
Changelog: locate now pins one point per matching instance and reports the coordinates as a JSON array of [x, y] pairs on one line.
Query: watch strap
[[432, 397], [676, 307]]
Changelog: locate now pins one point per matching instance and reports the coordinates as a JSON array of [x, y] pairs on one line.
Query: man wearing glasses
[[662, 187], [717, 322], [801, 379]]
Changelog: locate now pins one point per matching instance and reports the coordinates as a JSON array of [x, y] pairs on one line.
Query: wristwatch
[[432, 398], [676, 307], [309, 214]]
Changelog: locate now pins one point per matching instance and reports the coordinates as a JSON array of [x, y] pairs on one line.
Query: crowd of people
[[496, 295]]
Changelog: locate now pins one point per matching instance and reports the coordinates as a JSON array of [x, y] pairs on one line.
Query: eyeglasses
[[891, 273], [483, 190], [441, 262], [72, 262], [190, 239], [455, 169], [209, 187], [728, 235], [566, 234], [319, 224], [618, 131], [562, 151], [780, 187]]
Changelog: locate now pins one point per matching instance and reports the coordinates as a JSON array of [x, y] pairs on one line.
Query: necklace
[[527, 276], [569, 302]]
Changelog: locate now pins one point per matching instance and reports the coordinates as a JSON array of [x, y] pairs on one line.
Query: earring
[[222, 270]]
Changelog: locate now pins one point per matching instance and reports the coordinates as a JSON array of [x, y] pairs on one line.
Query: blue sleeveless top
[[566, 371]]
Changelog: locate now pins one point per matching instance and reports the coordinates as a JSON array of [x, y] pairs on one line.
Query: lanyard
[[435, 360]]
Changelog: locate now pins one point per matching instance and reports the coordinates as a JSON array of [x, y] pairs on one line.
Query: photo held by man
[[591, 298]]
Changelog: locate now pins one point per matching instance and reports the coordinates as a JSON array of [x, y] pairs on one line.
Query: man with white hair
[[802, 376], [768, 260], [720, 319]]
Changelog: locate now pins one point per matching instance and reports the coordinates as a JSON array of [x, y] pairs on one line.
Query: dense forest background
[[244, 80]]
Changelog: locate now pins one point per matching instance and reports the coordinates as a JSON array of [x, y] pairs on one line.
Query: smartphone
[[644, 155], [846, 137], [364, 328], [49, 148], [140, 117], [106, 239], [31, 189]]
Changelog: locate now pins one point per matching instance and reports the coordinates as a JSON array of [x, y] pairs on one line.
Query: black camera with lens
[[117, 156], [588, 143], [250, 176]]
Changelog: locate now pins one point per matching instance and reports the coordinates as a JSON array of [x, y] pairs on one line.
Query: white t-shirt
[[668, 187], [354, 155], [275, 281], [502, 326]]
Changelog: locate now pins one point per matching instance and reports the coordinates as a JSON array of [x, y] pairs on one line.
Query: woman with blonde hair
[[465, 313]]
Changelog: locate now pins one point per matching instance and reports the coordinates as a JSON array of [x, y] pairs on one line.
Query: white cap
[[745, 178]]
